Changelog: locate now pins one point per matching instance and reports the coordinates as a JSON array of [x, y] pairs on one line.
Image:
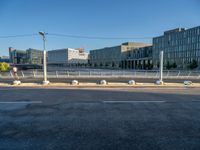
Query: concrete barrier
[[102, 82], [74, 82], [131, 82]]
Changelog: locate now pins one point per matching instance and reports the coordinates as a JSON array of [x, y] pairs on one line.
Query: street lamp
[[45, 82], [160, 81]]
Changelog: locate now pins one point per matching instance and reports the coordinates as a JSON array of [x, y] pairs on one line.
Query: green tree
[[113, 64], [168, 66], [158, 64], [174, 65], [4, 66], [193, 64]]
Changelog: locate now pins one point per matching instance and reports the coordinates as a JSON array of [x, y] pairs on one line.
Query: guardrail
[[104, 74]]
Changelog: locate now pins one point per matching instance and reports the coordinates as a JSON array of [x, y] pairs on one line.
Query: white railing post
[[11, 74], [189, 74], [178, 73], [167, 73], [56, 74], [22, 74], [33, 74]]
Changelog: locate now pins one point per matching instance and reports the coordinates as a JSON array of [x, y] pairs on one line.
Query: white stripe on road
[[134, 101], [22, 102]]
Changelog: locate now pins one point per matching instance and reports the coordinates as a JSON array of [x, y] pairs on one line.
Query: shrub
[[4, 66]]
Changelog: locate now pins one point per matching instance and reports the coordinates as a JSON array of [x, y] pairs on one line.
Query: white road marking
[[22, 102], [134, 101]]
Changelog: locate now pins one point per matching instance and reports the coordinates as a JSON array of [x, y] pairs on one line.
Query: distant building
[[113, 57], [67, 56], [139, 58], [181, 46], [29, 56], [34, 56], [17, 56], [4, 59]]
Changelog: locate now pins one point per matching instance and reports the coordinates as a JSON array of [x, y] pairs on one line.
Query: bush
[[169, 66], [194, 64], [174, 65], [4, 66]]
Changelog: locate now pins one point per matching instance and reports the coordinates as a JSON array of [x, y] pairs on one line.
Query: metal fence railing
[[104, 73]]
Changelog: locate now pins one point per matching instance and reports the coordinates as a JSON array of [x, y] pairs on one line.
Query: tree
[[168, 66], [158, 64], [4, 66], [193, 64], [174, 65], [113, 64], [148, 66]]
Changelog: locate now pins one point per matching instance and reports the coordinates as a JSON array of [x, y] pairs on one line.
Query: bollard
[[102, 82], [74, 82], [187, 82], [131, 82]]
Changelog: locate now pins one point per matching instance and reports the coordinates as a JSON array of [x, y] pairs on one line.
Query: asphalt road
[[95, 80], [137, 119]]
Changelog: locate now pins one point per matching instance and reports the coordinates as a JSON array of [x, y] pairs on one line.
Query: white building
[[67, 56]]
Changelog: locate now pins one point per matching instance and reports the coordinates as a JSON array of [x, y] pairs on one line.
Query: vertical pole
[[44, 60], [161, 66]]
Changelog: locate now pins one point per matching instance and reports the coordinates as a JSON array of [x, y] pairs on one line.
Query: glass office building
[[181, 46], [114, 57], [34, 56]]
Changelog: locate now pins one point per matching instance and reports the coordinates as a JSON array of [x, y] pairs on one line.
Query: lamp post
[[160, 81], [43, 34], [161, 66]]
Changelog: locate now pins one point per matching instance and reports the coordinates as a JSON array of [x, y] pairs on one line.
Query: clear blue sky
[[107, 18]]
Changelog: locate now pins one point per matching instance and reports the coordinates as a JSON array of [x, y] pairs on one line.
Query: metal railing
[[104, 74]]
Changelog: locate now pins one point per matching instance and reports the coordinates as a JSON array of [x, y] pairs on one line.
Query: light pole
[[161, 66], [160, 81], [43, 34]]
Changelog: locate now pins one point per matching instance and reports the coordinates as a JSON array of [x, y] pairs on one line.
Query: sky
[[138, 20]]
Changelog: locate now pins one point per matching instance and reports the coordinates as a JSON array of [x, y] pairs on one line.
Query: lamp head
[[42, 33]]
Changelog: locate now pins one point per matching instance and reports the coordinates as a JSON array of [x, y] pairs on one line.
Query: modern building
[[29, 56], [68, 56], [181, 46], [34, 56], [4, 59], [113, 57], [17, 56], [139, 58]]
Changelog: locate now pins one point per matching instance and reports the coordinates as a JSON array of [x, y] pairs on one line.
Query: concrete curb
[[109, 85]]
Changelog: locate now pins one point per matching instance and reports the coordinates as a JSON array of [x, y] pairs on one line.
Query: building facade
[[17, 56], [29, 56], [139, 58], [181, 46], [4, 59], [34, 56], [68, 56], [113, 57]]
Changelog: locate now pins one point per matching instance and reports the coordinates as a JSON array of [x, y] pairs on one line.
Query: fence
[[104, 74]]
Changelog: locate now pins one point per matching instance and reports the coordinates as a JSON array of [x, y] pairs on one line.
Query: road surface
[[120, 119]]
